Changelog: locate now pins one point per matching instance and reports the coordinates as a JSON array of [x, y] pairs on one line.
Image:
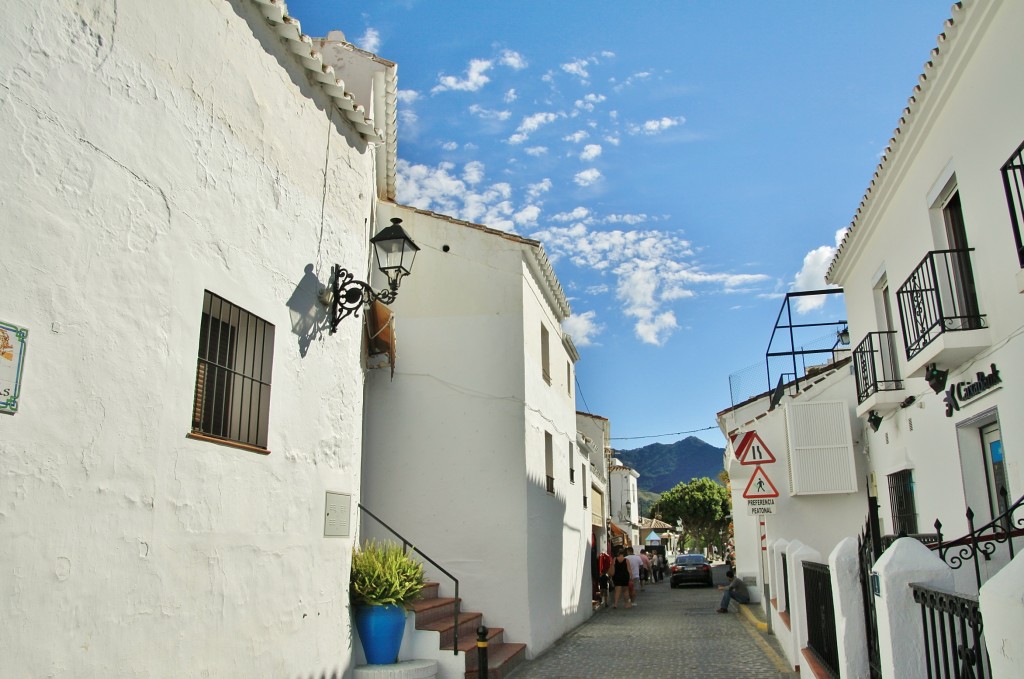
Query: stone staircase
[[437, 614]]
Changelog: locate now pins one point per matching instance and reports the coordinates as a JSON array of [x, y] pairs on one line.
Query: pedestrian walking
[[736, 589], [635, 564], [618, 571], [604, 562]]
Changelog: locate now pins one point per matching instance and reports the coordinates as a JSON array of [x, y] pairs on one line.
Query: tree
[[702, 505]]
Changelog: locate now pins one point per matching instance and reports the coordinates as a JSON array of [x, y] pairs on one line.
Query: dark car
[[690, 568]]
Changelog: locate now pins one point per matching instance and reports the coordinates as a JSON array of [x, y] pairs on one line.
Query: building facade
[[184, 447], [471, 445]]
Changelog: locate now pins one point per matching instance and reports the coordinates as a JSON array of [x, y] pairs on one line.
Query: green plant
[[382, 573]]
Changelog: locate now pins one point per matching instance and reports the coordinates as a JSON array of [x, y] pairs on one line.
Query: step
[[429, 590], [468, 622], [495, 637], [429, 610], [501, 659]]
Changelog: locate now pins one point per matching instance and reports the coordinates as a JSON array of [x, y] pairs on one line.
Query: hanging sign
[[760, 486], [752, 450], [12, 365]]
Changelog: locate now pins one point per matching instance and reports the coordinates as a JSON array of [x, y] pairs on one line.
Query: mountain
[[663, 465]]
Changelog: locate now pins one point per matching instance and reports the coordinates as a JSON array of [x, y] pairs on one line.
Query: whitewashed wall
[[455, 449], [154, 150]]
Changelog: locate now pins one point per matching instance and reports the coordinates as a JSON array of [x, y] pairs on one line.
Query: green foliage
[[702, 505], [382, 573]]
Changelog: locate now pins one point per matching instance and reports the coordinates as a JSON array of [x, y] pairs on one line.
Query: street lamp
[[395, 252]]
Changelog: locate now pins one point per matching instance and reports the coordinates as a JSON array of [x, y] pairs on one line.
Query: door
[[995, 468]]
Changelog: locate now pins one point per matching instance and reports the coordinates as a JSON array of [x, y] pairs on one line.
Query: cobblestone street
[[670, 634]]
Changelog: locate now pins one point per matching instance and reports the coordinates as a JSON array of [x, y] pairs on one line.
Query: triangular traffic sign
[[753, 450], [760, 485]]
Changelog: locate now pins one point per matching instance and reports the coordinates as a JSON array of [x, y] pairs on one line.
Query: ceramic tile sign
[[13, 339]]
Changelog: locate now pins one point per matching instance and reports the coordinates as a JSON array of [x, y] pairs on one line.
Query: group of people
[[626, 573]]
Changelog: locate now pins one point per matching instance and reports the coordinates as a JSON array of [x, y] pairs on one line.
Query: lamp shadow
[[308, 316]]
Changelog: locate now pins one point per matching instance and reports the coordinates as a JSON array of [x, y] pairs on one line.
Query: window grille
[[232, 396], [901, 502], [545, 354]]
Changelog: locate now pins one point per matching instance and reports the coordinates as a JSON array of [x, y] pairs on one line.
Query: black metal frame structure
[[351, 294], [869, 549], [982, 542], [901, 502], [954, 646], [790, 337]]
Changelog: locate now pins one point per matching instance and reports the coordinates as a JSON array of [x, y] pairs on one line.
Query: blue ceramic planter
[[380, 631]]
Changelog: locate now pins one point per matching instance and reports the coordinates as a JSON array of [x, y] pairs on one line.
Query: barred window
[[236, 351], [1013, 184], [901, 502]]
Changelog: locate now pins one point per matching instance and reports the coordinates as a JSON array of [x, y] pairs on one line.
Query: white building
[[182, 417], [933, 274], [471, 445], [593, 435], [624, 504]]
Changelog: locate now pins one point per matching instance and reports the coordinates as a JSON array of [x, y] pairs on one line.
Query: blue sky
[[684, 163]]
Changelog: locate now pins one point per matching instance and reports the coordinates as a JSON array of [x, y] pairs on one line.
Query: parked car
[[690, 568]]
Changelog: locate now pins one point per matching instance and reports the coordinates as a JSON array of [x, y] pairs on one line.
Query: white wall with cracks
[[153, 151]]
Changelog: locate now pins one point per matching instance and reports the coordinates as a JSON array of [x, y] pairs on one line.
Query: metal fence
[[953, 640], [821, 618]]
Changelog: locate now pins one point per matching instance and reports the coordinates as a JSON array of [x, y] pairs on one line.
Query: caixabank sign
[[964, 391]]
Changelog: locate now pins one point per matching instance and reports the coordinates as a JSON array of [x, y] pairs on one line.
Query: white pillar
[[900, 631], [851, 629]]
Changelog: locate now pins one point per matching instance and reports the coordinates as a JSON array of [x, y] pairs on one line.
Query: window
[[549, 461], [1013, 183], [995, 468], [545, 354], [232, 397], [568, 378], [962, 274], [901, 502], [583, 482], [572, 467]]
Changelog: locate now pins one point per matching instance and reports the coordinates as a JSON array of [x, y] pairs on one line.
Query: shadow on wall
[[308, 316], [323, 675]]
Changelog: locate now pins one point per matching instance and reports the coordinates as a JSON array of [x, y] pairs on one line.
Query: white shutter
[[820, 448]]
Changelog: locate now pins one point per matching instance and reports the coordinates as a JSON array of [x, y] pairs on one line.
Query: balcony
[[876, 370], [939, 312]]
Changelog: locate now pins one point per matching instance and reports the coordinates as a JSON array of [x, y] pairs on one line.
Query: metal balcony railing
[[939, 296], [875, 365], [1013, 184]]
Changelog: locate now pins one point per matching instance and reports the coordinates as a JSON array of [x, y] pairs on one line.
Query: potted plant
[[384, 581]]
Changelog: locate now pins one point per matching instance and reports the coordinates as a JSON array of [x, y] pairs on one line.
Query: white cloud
[[597, 289], [541, 187], [369, 41], [450, 145], [530, 125], [652, 269], [626, 219], [527, 216], [576, 215], [511, 96], [475, 78], [578, 68], [812, 275], [607, 54], [657, 125], [467, 197], [613, 140], [587, 177], [577, 136], [512, 59], [473, 172], [583, 328], [489, 114], [408, 96], [536, 150], [588, 102], [590, 152]]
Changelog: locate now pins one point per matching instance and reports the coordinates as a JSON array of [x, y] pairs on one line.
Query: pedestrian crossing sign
[[760, 485]]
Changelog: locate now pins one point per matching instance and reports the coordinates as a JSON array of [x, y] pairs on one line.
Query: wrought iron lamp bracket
[[349, 295]]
